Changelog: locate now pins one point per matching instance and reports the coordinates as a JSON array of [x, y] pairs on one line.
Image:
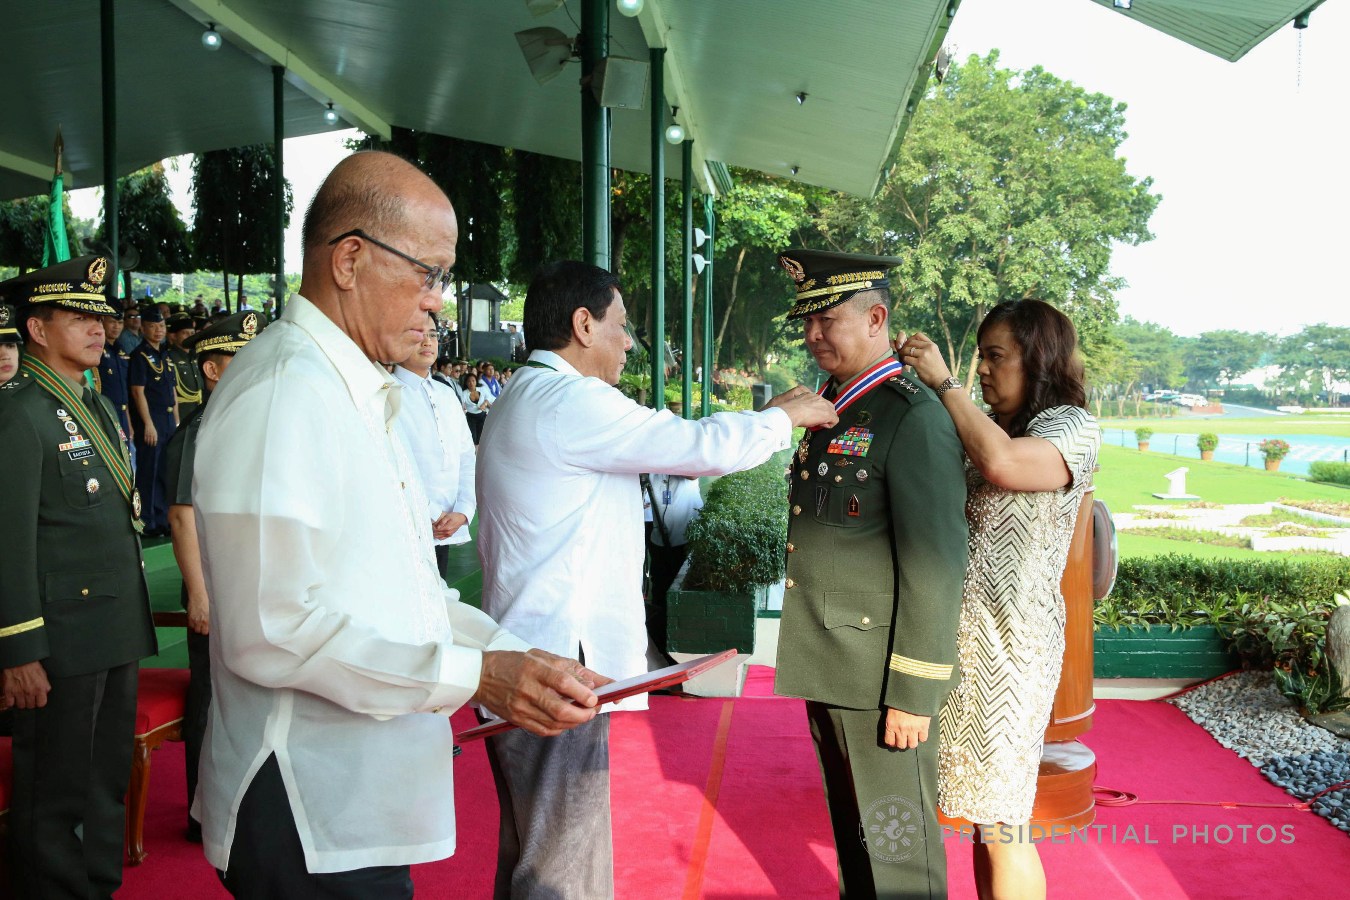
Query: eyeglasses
[[434, 273]]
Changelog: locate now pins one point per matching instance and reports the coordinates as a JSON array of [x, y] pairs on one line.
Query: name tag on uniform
[[854, 442], [80, 454]]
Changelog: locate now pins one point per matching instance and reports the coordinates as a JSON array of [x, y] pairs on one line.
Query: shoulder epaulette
[[906, 388]]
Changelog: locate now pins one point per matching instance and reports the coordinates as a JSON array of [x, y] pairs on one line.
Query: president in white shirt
[[561, 538], [337, 654], [432, 423]]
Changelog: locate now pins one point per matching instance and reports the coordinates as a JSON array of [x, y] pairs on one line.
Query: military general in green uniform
[[74, 610], [876, 559], [188, 383]]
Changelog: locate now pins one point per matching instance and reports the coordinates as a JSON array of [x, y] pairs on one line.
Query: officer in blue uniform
[[154, 396], [110, 377]]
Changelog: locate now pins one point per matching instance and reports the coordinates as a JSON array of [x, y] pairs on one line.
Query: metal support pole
[[595, 191], [658, 333], [687, 281], [108, 45], [279, 179], [709, 225]]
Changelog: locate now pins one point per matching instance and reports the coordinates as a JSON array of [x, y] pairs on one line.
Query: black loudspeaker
[[760, 394], [621, 83]]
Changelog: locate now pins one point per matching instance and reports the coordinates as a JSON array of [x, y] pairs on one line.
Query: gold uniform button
[[796, 510], [866, 620], [790, 548], [84, 592], [789, 583], [86, 462], [838, 478], [805, 474]]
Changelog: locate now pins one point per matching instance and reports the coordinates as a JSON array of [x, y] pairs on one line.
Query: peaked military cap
[[76, 284], [825, 279], [228, 335], [151, 314], [9, 331], [178, 322]]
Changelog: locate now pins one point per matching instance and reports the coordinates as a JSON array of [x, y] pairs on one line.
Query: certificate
[[619, 690]]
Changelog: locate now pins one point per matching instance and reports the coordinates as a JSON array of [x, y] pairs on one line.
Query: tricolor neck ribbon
[[874, 375], [115, 456]]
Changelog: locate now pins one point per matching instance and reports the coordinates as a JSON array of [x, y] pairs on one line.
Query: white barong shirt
[[560, 510], [334, 643]]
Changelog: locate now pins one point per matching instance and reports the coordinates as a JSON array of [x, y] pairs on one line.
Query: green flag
[[55, 245]]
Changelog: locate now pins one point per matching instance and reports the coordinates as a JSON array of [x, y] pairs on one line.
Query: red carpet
[[722, 799]]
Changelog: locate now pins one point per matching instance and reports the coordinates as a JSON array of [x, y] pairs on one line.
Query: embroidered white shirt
[[334, 643], [431, 421], [560, 510]]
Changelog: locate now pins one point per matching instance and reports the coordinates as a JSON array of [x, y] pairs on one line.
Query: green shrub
[[1272, 613], [739, 396], [1207, 440], [737, 541], [1143, 434], [1330, 472]]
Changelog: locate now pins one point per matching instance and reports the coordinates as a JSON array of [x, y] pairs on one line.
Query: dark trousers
[[883, 805], [197, 707], [555, 840], [666, 562], [72, 762], [476, 420], [267, 860], [150, 474], [442, 559]]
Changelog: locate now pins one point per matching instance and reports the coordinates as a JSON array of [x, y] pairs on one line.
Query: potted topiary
[[1207, 441], [1274, 450], [1142, 435]]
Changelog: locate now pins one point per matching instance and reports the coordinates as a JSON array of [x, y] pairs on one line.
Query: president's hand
[[905, 731], [805, 408], [541, 692]]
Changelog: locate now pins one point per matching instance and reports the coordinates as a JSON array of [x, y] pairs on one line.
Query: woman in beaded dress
[[1028, 465]]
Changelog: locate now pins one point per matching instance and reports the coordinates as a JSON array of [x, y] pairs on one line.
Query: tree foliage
[[1008, 186], [232, 230], [21, 229], [1314, 359], [1217, 357], [148, 221]]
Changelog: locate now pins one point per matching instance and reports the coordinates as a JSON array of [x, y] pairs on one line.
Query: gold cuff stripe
[[920, 669], [22, 627]]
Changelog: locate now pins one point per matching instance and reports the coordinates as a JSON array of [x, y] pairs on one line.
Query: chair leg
[[137, 794]]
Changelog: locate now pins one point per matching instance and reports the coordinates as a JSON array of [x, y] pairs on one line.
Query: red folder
[[619, 690]]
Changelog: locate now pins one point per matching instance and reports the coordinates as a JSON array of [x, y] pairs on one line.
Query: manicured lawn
[[1331, 425], [1128, 477], [1136, 544]]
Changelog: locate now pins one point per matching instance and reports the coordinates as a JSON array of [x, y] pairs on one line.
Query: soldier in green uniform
[[188, 387], [74, 609], [212, 348], [11, 344], [876, 560]]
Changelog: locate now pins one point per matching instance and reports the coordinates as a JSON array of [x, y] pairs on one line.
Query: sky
[[1247, 156]]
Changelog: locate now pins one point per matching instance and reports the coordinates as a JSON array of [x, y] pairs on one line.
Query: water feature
[[1243, 449]]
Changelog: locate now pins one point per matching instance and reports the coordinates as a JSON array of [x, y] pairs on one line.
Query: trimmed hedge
[[1330, 472], [1164, 582], [736, 543]]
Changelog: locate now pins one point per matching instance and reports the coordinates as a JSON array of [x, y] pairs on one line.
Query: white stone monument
[[1176, 486]]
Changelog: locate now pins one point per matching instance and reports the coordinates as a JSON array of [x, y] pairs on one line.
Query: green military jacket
[[72, 585], [877, 553], [179, 458], [188, 387]]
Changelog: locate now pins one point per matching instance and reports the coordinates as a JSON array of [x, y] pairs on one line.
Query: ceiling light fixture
[[330, 115], [211, 39], [674, 131], [801, 97], [629, 8], [1122, 4], [795, 169]]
